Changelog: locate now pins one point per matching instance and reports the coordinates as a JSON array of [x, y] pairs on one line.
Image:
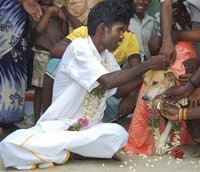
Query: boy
[[51, 28], [143, 26]]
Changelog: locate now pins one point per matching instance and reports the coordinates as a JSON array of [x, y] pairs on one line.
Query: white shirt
[[79, 69], [143, 31]]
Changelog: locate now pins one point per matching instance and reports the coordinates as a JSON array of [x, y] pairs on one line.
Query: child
[[51, 28], [143, 25]]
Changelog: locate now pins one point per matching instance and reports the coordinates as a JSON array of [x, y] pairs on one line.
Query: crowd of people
[[89, 61]]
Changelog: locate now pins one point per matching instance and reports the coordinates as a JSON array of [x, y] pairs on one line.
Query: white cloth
[[49, 141]]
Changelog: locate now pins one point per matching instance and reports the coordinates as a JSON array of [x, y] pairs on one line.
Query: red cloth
[[141, 140]]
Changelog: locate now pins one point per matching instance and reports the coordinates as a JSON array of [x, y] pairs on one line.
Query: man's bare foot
[[74, 156], [196, 151], [116, 157]]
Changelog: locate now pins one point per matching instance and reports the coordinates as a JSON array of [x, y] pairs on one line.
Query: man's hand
[[159, 62], [32, 8], [168, 49], [169, 111], [177, 93], [184, 78], [125, 106]]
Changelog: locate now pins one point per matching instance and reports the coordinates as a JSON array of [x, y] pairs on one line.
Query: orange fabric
[[141, 140], [29, 96]]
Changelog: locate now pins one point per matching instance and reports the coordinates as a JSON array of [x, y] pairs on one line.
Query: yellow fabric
[[129, 46]]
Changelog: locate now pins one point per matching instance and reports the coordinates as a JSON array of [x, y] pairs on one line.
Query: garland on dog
[[154, 124]]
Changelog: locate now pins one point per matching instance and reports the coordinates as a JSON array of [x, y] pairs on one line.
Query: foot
[[196, 151], [75, 156], [116, 157]]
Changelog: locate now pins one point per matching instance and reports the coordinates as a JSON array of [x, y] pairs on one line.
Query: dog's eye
[[155, 82]]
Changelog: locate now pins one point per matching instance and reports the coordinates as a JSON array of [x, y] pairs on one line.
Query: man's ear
[[102, 26]]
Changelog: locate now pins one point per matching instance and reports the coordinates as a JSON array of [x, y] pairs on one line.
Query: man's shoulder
[[79, 41]]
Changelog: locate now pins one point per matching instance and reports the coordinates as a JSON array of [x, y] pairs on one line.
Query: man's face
[[114, 36]]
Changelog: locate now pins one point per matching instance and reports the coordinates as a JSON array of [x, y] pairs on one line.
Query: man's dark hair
[[109, 12]]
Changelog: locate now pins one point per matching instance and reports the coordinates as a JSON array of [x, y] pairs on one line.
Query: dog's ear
[[169, 74], [147, 74]]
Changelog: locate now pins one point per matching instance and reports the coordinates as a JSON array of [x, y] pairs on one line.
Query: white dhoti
[[31, 147], [49, 142]]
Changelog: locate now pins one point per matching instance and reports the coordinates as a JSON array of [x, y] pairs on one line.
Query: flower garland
[[154, 123], [164, 148], [90, 106]]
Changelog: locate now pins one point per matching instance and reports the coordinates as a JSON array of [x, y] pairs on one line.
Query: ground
[[129, 163]]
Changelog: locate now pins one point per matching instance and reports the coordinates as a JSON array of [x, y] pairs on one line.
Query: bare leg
[[47, 92], [37, 103]]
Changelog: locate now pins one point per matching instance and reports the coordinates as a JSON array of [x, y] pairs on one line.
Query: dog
[[155, 84]]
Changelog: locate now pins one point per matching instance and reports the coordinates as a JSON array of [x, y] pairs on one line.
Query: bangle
[[180, 114], [192, 83], [184, 114]]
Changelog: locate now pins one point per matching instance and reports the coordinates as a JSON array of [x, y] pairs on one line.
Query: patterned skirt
[[13, 76]]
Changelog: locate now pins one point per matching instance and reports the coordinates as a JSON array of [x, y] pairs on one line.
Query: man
[[87, 75], [128, 51]]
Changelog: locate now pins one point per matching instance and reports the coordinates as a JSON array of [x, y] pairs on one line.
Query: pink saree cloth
[[141, 139]]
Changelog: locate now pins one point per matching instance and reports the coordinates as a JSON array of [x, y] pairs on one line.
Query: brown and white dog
[[156, 83]]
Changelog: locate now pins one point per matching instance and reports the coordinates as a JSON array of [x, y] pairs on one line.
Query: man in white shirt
[[88, 74]]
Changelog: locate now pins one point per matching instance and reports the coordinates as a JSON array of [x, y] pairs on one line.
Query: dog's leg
[[163, 147], [156, 133]]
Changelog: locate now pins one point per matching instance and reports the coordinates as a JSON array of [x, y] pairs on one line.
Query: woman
[[13, 58]]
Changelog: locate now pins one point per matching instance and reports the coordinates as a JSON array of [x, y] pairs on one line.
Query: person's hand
[[32, 8], [169, 111], [177, 93], [184, 78], [125, 106], [61, 15], [168, 49], [54, 10], [159, 62]]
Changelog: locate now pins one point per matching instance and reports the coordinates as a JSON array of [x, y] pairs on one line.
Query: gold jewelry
[[184, 114], [180, 114]]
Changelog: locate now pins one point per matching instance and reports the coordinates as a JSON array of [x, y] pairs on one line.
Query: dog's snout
[[145, 98]]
